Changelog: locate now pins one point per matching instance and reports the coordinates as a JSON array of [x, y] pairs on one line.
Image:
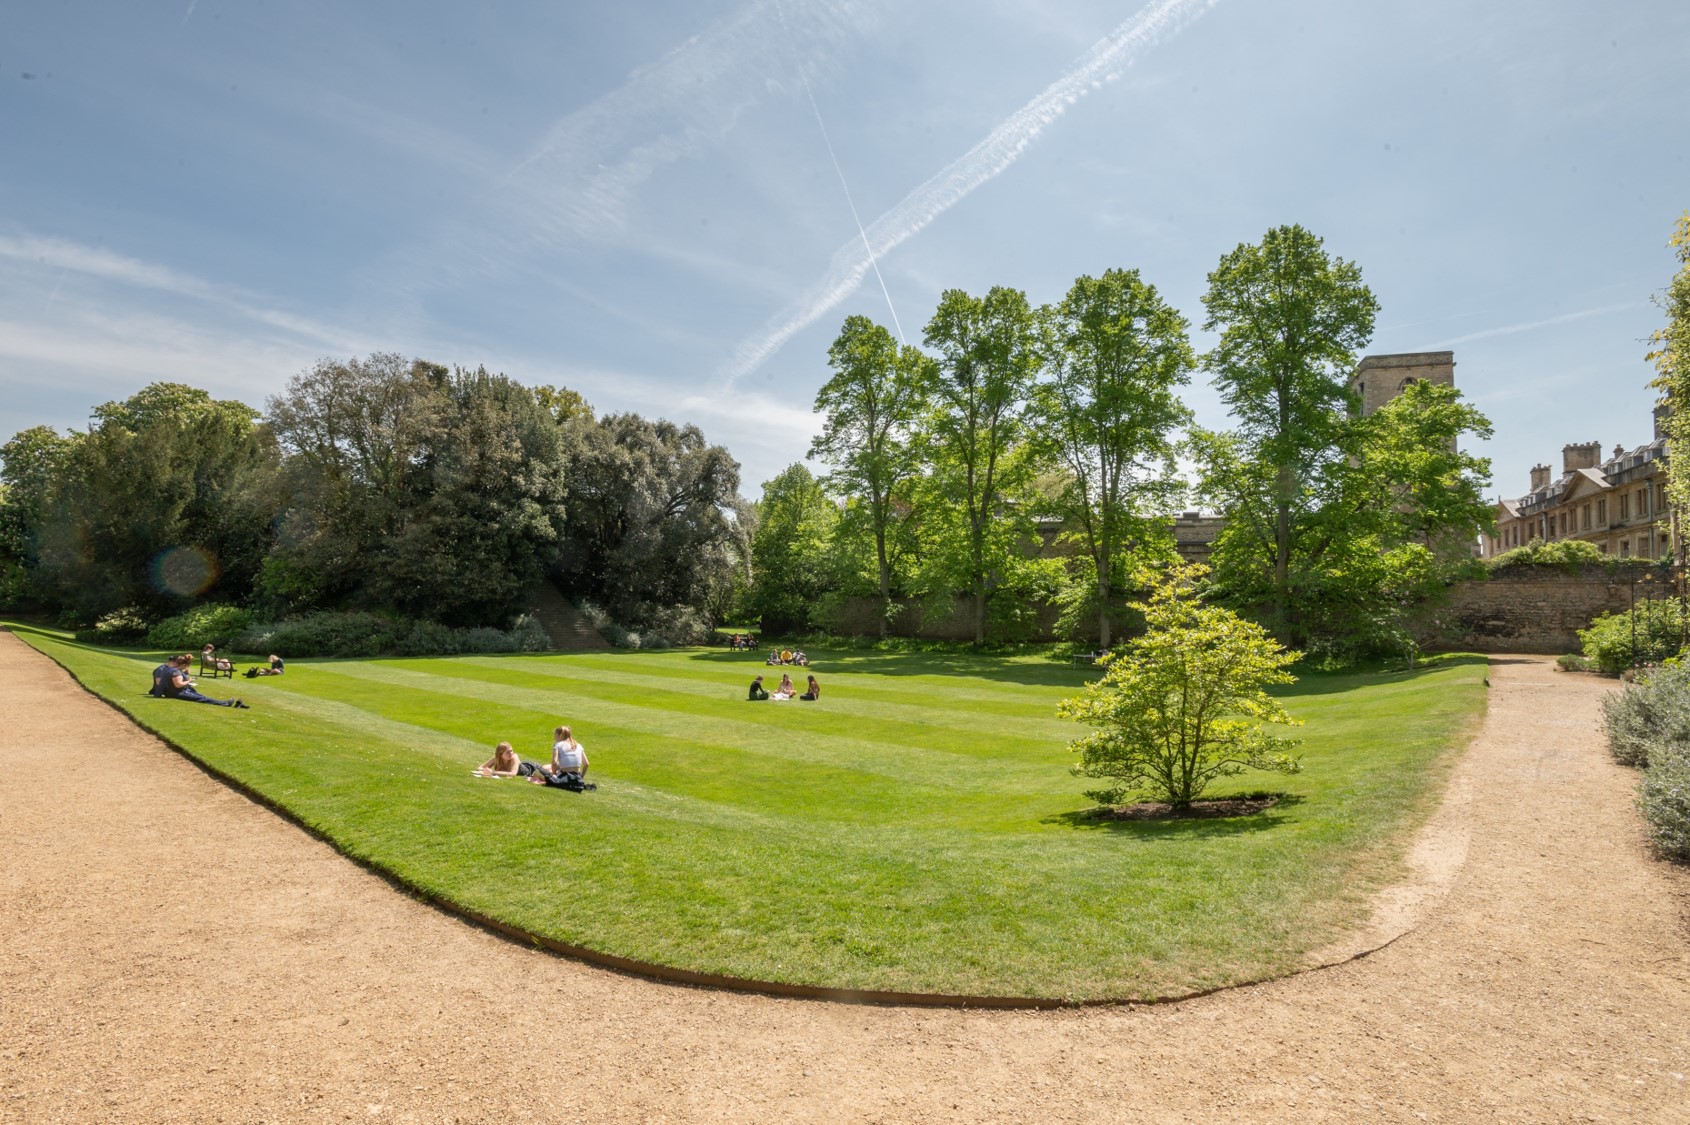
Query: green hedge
[[203, 625], [371, 634], [1659, 635]]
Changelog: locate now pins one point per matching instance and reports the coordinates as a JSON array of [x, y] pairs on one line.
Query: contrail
[[190, 10], [849, 202], [1511, 329], [1000, 148]]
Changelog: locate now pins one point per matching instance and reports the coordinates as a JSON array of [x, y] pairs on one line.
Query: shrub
[[1651, 718], [1569, 554], [1185, 703], [120, 627], [370, 634], [1664, 801], [1573, 662], [203, 625], [1660, 632]]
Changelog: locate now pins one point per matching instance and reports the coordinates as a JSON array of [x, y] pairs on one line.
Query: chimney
[[1619, 451], [1662, 413], [1540, 477], [1581, 455]]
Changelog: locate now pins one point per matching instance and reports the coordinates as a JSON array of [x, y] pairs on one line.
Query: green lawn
[[917, 830]]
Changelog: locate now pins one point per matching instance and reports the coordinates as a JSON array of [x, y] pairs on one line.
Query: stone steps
[[566, 625]]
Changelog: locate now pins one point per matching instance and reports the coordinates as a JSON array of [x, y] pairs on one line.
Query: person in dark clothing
[[758, 691], [170, 681], [275, 669]]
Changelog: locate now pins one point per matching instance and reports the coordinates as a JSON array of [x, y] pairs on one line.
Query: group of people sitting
[[566, 770], [778, 656], [171, 681], [742, 640], [784, 691]]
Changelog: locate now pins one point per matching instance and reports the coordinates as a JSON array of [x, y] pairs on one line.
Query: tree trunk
[[1282, 554], [885, 578], [1102, 608]]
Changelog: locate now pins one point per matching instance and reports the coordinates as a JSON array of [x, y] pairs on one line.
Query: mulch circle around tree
[[1203, 809]]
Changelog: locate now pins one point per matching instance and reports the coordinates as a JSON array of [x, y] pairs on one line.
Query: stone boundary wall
[[1536, 609]]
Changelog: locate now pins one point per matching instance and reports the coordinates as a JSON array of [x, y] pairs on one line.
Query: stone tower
[[1380, 378]]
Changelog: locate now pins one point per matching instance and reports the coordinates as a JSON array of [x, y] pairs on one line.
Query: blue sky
[[637, 201]]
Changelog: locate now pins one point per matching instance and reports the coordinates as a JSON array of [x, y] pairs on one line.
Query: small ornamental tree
[[1184, 703]]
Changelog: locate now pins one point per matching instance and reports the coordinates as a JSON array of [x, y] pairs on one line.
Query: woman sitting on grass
[[785, 690], [815, 691], [569, 762]]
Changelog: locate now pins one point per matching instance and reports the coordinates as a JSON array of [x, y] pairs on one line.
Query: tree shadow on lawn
[[1181, 828], [1334, 683], [978, 666]]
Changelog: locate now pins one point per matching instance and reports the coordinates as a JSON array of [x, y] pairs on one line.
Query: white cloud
[[953, 183], [1531, 325]]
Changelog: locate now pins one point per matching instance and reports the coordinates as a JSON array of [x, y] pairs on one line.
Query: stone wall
[[1536, 609]]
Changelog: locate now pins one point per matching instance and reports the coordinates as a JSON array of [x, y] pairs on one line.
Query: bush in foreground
[[1664, 801], [1185, 703], [1651, 718]]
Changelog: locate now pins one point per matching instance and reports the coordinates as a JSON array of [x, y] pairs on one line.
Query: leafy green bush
[[1664, 801], [1573, 662], [203, 625], [1660, 632], [121, 627], [1566, 553], [1650, 719], [370, 634]]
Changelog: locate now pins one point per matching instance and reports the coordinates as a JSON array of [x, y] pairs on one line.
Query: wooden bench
[[1087, 657]]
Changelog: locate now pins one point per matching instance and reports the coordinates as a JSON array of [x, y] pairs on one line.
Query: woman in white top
[[569, 757]]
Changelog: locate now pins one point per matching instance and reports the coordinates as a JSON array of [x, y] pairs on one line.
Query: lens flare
[[184, 571]]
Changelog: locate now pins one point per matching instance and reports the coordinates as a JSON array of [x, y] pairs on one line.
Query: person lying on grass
[[758, 691], [505, 763], [815, 691], [171, 681], [569, 763]]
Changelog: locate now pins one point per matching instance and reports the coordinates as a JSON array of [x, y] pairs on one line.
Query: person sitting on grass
[[758, 691], [504, 763], [815, 691], [171, 681], [568, 769], [275, 668], [774, 657], [785, 690], [786, 656]]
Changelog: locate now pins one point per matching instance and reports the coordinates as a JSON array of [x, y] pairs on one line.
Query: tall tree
[[1116, 354], [167, 497], [989, 356], [1291, 319], [1670, 353], [32, 464], [790, 550], [871, 406]]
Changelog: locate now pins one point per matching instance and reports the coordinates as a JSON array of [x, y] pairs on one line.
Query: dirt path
[[169, 951]]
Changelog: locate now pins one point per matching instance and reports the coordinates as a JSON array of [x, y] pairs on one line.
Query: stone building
[[1618, 503], [1380, 378]]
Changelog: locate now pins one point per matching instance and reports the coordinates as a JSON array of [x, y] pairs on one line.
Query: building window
[[1625, 548], [1604, 547], [1585, 517], [1625, 505], [1602, 512], [1642, 502]]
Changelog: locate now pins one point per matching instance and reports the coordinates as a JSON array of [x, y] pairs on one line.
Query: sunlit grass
[[917, 830]]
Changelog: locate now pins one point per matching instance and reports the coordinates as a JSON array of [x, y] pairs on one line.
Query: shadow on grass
[[1181, 828], [979, 666]]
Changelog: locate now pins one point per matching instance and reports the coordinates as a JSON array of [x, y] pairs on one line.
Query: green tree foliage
[[415, 488], [1337, 523], [1185, 703], [1670, 353], [791, 551], [989, 356], [169, 496], [1291, 319], [31, 464], [651, 524], [871, 408], [1115, 356]]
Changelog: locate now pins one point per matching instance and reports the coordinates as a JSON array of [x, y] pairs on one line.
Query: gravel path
[[170, 951]]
